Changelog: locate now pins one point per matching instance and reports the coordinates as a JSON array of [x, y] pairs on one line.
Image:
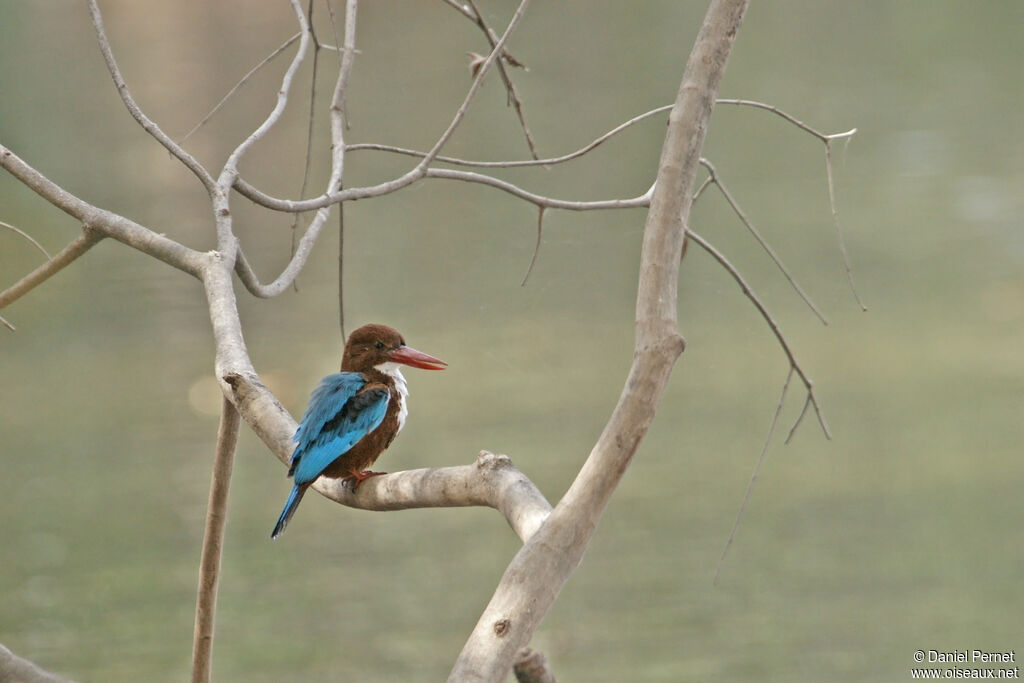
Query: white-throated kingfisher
[[355, 414]]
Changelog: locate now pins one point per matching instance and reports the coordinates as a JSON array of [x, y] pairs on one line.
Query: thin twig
[[245, 79], [147, 124], [716, 179], [748, 291], [703, 186], [6, 323], [826, 139], [339, 124], [309, 138], [799, 419], [105, 223], [228, 244], [27, 237], [518, 163], [753, 477], [536, 247], [540, 200], [230, 171], [213, 542], [835, 222], [334, 196], [341, 271], [513, 94], [468, 13], [288, 205]]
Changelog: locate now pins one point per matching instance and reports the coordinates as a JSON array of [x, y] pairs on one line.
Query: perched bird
[[353, 415]]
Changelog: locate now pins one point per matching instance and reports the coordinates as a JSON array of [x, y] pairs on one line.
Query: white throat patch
[[394, 371]]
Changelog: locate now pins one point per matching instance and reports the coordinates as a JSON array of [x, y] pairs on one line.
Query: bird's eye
[[379, 344]]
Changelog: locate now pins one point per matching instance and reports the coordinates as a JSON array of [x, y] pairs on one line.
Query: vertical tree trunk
[[535, 576]]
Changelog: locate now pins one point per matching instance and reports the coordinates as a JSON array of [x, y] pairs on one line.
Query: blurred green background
[[902, 533]]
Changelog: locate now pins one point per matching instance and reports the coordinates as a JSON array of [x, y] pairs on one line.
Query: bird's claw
[[356, 477]]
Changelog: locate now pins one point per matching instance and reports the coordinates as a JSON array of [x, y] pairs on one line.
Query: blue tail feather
[[289, 509]]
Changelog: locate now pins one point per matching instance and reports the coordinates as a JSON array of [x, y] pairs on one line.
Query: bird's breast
[[400, 394]]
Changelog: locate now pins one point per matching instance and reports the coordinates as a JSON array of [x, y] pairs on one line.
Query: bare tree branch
[[147, 124], [227, 243], [27, 237], [411, 176], [513, 94], [754, 476], [536, 575], [105, 222], [835, 222], [531, 666], [14, 669], [554, 539], [536, 247], [516, 164], [79, 246], [467, 12], [339, 124], [539, 200], [213, 543], [824, 137], [748, 291], [714, 178], [242, 81], [827, 139], [491, 482]]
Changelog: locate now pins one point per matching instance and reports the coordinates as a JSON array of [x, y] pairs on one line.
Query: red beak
[[417, 359]]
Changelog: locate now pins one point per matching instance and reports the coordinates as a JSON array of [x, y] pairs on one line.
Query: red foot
[[356, 477]]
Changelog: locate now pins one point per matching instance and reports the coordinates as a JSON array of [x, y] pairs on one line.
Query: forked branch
[[133, 108], [537, 573], [748, 291], [827, 140]]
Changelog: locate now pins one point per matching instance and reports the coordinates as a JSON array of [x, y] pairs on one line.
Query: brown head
[[373, 345]]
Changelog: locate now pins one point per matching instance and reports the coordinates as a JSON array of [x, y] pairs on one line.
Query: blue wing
[[339, 415]]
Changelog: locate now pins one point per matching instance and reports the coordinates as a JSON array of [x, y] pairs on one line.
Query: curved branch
[[29, 238], [824, 137], [14, 668], [748, 291], [827, 139], [242, 81], [539, 200], [147, 124], [230, 171], [516, 164], [513, 94], [536, 575], [227, 242], [714, 178], [491, 482], [416, 173], [105, 222]]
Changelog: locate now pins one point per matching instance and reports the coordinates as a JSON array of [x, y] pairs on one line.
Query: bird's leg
[[356, 477]]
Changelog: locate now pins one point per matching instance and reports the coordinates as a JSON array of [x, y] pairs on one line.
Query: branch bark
[[536, 575], [213, 543], [492, 481], [17, 670], [106, 222]]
